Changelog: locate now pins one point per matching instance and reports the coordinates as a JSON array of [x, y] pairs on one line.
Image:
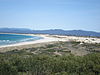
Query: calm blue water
[[6, 39]]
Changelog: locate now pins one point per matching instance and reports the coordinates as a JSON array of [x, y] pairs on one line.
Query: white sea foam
[[4, 40], [28, 39], [7, 41], [17, 40]]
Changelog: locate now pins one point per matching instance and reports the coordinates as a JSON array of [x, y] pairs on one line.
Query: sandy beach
[[45, 39], [48, 39]]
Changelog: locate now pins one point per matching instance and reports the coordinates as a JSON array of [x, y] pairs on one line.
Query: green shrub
[[14, 64]]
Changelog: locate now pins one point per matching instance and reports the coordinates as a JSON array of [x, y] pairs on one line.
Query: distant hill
[[52, 31], [15, 30]]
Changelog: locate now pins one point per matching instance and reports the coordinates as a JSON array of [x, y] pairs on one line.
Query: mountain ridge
[[51, 31]]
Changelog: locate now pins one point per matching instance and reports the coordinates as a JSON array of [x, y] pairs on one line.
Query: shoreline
[[47, 39], [44, 39]]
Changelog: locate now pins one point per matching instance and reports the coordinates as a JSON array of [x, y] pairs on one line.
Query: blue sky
[[51, 14]]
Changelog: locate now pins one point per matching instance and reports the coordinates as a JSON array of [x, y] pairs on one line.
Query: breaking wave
[[6, 39]]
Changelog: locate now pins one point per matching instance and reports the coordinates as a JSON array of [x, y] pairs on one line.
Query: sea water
[[7, 39]]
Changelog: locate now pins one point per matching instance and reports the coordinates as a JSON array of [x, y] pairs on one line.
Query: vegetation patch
[[49, 65], [53, 59]]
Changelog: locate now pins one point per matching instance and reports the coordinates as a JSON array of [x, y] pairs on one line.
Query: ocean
[[7, 39]]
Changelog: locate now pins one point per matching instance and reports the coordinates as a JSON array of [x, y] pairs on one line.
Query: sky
[[51, 14]]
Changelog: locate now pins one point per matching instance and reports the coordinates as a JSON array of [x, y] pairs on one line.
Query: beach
[[47, 39]]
